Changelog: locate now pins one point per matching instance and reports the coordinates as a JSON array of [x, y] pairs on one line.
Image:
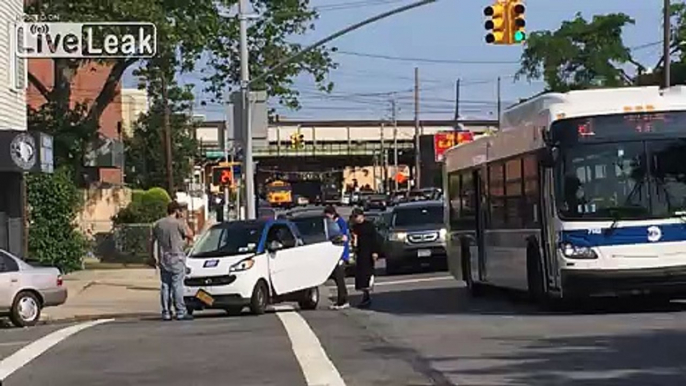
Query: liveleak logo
[[86, 40]]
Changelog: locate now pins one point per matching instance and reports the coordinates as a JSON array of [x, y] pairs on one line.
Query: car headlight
[[443, 233], [397, 236], [242, 265], [575, 252]]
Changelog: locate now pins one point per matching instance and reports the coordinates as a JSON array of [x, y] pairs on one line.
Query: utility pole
[[248, 164], [394, 117], [499, 102], [457, 102], [666, 43], [167, 136], [417, 156], [384, 167], [246, 83]]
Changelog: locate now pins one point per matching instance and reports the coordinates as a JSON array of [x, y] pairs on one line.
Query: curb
[[86, 318]]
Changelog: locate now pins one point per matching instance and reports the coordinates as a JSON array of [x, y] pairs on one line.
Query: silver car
[[25, 290]]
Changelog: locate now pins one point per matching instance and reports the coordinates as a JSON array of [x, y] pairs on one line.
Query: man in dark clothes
[[367, 251]]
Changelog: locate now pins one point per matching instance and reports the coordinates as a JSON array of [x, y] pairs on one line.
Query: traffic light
[[297, 140], [222, 175], [517, 22], [497, 24]]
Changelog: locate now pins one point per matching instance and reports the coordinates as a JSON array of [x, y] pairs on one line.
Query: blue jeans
[[171, 290]]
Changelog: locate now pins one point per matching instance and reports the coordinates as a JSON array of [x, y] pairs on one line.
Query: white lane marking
[[22, 357], [315, 364], [405, 281], [16, 343]]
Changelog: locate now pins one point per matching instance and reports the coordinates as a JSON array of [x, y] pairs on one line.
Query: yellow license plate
[[205, 297]]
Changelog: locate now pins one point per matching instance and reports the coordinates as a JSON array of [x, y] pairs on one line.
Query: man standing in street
[[170, 233], [367, 249], [340, 229]]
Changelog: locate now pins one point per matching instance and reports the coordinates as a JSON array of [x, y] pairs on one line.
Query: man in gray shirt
[[170, 233]]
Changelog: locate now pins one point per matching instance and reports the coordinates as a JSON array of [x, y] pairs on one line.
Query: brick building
[[86, 86]]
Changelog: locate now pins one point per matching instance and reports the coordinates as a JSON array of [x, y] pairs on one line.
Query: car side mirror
[[274, 246], [550, 156]]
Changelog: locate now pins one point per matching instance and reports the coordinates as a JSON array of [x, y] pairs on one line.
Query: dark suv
[[416, 236]]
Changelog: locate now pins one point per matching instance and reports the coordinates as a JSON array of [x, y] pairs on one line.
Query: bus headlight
[[574, 252], [397, 236]]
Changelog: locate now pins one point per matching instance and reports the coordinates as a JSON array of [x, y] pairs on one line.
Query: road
[[422, 329]]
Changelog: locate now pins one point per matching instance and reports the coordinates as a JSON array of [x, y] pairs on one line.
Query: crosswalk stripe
[[315, 364], [22, 357]]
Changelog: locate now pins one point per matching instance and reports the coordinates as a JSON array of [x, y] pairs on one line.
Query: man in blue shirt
[[339, 230]]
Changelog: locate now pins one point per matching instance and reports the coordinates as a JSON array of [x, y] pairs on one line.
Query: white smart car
[[255, 263]]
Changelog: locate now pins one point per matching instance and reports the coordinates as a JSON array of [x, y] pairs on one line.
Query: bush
[[54, 239], [145, 207]]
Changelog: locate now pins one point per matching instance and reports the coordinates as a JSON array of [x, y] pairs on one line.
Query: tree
[[582, 54], [144, 150], [579, 54], [54, 202], [187, 30]]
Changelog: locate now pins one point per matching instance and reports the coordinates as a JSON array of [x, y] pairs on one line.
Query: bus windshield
[[278, 188], [622, 180]]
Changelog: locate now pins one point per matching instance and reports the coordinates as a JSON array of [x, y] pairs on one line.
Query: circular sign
[[654, 234], [23, 151]]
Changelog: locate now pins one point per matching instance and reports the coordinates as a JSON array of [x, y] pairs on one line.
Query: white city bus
[[579, 194]]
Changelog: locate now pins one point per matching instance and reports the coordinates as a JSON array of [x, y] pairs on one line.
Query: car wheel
[[25, 310], [234, 311], [259, 299], [310, 299]]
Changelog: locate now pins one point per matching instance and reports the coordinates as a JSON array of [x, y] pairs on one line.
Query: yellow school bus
[[280, 193]]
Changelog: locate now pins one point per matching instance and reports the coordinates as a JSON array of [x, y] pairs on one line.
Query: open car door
[[296, 266]]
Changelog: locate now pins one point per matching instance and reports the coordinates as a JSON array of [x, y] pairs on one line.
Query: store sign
[[23, 151], [445, 140]]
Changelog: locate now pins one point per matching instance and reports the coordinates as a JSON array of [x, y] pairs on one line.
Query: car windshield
[[419, 215], [309, 225], [228, 240], [637, 179]]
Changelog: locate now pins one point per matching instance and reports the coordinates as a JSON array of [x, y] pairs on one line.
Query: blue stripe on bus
[[644, 234]]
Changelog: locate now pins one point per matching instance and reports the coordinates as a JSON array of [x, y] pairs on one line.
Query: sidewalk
[[102, 293], [108, 293]]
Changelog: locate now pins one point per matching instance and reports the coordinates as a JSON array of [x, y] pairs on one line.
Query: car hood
[[418, 228], [212, 266]]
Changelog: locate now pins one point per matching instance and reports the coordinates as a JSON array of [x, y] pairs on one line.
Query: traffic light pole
[[250, 200]]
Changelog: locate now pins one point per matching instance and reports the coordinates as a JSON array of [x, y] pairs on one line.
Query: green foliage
[[54, 202], [580, 54], [144, 150], [145, 207]]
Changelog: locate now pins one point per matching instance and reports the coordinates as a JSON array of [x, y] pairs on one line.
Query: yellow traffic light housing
[[497, 25], [517, 22]]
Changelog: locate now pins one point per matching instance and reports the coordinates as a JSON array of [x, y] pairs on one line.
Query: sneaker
[[185, 317], [166, 318], [339, 306]]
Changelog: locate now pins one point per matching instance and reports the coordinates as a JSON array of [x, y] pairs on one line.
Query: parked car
[[25, 289], [378, 201], [416, 235], [254, 263]]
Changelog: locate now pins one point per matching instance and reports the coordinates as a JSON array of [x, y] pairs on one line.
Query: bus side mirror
[[550, 156]]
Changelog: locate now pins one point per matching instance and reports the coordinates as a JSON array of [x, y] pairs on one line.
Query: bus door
[[481, 206], [546, 220]]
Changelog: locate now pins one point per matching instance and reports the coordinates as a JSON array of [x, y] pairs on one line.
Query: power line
[[424, 60]]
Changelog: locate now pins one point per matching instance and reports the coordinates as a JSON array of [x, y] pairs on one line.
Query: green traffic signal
[[519, 36]]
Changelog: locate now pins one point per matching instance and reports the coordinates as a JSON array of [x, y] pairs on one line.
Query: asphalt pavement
[[422, 329]]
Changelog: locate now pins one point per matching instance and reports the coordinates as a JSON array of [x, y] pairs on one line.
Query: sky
[[445, 40]]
